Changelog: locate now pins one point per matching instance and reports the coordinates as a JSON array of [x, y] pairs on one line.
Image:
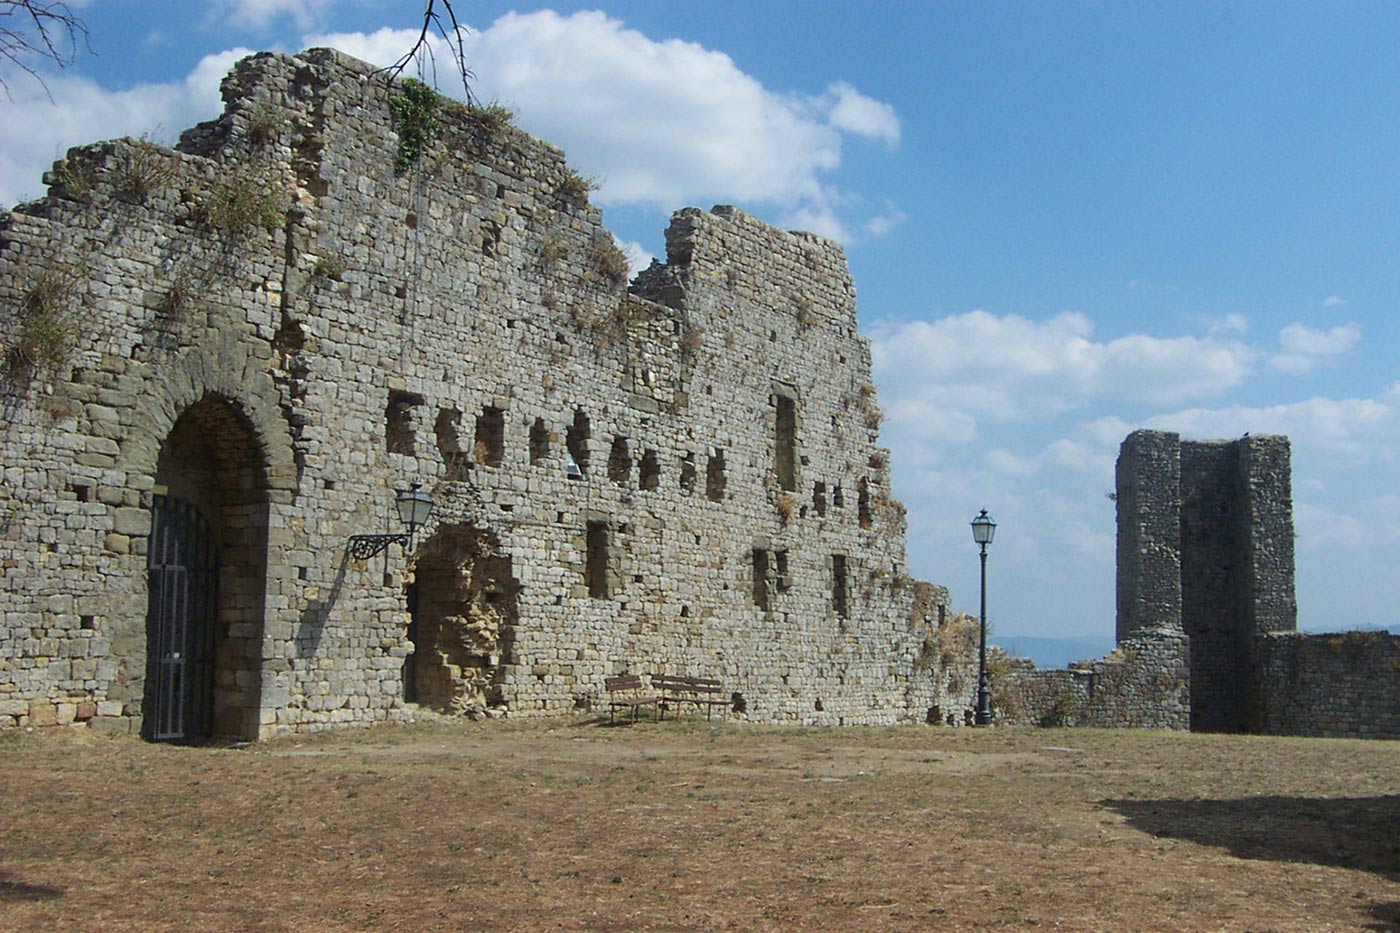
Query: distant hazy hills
[[1058, 652], [1054, 652]]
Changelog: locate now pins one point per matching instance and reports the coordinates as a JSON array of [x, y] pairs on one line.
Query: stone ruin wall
[[273, 322], [1338, 684], [1205, 574]]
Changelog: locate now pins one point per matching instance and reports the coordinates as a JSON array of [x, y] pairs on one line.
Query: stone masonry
[[222, 361], [1206, 611]]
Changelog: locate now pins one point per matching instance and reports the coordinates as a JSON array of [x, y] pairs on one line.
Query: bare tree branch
[[451, 31], [32, 30]]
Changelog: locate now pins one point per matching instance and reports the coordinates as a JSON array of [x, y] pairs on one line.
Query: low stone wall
[[1343, 684], [1144, 683]]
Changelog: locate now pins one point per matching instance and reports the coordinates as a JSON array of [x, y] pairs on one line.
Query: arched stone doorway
[[207, 569], [463, 611]]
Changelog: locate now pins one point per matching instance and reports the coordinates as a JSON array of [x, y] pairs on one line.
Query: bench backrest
[[676, 683], [623, 682]]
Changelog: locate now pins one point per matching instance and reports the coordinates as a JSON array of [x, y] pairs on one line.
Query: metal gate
[[182, 566]]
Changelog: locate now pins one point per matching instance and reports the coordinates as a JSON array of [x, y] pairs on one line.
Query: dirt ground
[[571, 825]]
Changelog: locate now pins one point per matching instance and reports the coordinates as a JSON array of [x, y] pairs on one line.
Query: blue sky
[[1066, 221]]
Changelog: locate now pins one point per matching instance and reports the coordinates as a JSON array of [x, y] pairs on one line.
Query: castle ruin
[[1205, 587], [224, 359]]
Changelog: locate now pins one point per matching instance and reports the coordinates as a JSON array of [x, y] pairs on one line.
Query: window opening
[[840, 585], [401, 422], [576, 442], [489, 446], [760, 578], [688, 474], [447, 431], [649, 472], [819, 497], [595, 568], [619, 462], [785, 446], [539, 441], [715, 478], [863, 504]]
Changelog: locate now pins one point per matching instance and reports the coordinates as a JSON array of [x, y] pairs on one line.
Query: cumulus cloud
[[1302, 347], [1010, 368], [82, 112], [854, 112], [1228, 324], [1350, 427], [666, 123], [259, 13], [638, 257]]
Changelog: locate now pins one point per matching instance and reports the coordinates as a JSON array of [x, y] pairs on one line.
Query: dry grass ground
[[575, 826]]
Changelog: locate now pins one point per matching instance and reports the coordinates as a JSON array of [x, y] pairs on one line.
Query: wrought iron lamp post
[[983, 529], [414, 506]]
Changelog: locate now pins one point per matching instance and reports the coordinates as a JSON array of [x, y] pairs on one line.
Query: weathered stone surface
[[683, 476]]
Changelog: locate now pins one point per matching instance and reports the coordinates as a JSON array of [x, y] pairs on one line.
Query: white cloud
[[666, 123], [864, 116], [259, 13], [1010, 368], [1356, 428], [1303, 347], [82, 112], [638, 258], [1333, 301], [1228, 324]]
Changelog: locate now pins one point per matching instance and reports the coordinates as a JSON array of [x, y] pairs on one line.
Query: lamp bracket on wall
[[363, 547], [414, 506]]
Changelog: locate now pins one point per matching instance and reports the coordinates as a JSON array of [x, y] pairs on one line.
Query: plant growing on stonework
[[552, 250], [1001, 671], [691, 339], [575, 188], [266, 123], [76, 179], [45, 334], [806, 313], [243, 202], [329, 267], [491, 119], [787, 507], [608, 260], [415, 112], [147, 168]]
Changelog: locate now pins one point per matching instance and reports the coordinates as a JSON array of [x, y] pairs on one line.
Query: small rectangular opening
[[688, 474], [596, 560], [576, 442], [760, 578], [785, 442], [447, 431], [840, 585], [715, 477], [488, 447], [649, 471], [401, 422], [619, 462], [539, 441]]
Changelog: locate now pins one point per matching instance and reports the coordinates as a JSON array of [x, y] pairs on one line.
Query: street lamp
[[414, 506], [983, 529]]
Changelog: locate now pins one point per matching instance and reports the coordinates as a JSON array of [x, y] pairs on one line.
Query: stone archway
[[463, 605], [207, 569]]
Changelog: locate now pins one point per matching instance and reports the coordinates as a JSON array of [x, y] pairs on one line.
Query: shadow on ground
[[12, 890], [1386, 917], [1345, 832]]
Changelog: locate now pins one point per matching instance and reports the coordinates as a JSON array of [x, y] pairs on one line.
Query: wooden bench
[[624, 692], [676, 690]]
